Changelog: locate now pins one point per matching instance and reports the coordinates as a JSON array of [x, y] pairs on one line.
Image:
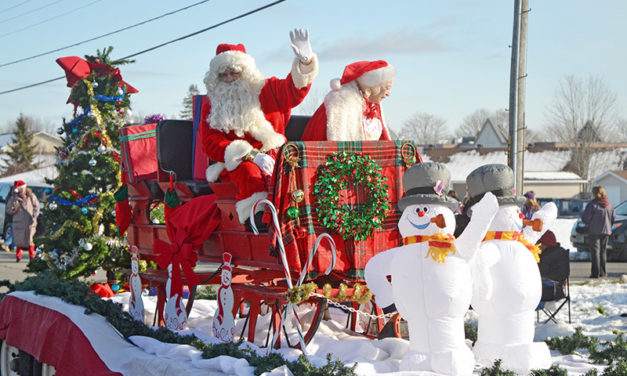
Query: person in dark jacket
[[554, 265], [599, 216]]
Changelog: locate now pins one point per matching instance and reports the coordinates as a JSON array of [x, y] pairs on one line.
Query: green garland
[[78, 293], [340, 169]]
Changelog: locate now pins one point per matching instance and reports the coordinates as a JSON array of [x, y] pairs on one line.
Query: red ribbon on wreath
[[181, 255]]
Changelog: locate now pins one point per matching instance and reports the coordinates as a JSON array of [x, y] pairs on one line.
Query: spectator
[[531, 205], [453, 194], [599, 216], [554, 265], [24, 206]]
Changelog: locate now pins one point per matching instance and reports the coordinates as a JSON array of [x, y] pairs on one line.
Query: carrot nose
[[536, 224], [439, 221]]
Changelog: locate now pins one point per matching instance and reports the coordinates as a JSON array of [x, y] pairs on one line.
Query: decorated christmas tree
[[82, 234]]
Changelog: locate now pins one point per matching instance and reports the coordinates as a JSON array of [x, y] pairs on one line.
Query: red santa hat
[[231, 56], [367, 73], [19, 184]]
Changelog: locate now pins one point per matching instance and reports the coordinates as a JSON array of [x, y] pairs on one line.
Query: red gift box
[[139, 152]]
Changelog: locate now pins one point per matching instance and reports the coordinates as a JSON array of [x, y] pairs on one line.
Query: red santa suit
[[345, 114], [262, 127]]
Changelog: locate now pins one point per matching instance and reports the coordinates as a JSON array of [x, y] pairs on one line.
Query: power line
[[103, 35], [160, 45], [14, 6], [31, 11], [49, 19]]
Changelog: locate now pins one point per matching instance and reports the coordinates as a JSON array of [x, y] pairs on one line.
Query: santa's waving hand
[[244, 122]]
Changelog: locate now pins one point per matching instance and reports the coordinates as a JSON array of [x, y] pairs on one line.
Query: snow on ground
[[382, 357]]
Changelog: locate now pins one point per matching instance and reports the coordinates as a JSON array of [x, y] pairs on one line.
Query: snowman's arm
[[487, 256], [375, 274], [548, 214], [468, 242]]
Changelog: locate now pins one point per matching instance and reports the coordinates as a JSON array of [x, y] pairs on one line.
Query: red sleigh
[[259, 281]]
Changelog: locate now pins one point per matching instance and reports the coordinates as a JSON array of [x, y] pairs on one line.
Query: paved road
[[579, 270]]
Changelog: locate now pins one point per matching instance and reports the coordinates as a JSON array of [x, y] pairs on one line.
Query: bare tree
[[577, 102], [312, 101], [621, 130], [472, 124], [424, 128], [583, 112]]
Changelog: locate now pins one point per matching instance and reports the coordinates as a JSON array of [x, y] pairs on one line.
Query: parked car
[[616, 244], [566, 207], [41, 190]]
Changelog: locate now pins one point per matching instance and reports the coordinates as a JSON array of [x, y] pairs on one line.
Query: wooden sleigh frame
[[258, 276]]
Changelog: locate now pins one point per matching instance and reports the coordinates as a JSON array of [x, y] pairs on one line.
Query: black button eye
[[425, 209], [418, 210]]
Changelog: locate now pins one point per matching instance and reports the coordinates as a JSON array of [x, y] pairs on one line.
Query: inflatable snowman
[[431, 284], [507, 286]]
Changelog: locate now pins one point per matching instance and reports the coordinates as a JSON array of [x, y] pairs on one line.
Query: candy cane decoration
[[286, 269]]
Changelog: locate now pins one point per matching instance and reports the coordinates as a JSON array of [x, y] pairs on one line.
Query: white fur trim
[[243, 206], [213, 172], [264, 133], [377, 77], [232, 59], [344, 114], [336, 84], [303, 75], [234, 153]]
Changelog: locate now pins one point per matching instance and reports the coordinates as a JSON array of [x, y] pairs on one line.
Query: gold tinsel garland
[[301, 293]]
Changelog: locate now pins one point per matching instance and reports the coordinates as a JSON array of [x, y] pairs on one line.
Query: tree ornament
[[84, 210], [94, 84], [60, 131], [88, 246], [102, 148], [119, 91], [75, 130], [92, 162], [52, 206]]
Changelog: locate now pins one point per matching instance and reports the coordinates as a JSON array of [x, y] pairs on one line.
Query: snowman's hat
[[495, 178], [427, 183]]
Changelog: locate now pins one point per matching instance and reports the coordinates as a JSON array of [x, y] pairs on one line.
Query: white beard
[[234, 107]]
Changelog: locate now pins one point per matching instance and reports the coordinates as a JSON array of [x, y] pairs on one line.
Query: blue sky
[[452, 57]]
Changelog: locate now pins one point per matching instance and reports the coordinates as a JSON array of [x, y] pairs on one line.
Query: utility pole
[[515, 151], [522, 78]]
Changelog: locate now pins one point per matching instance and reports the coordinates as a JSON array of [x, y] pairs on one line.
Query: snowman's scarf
[[439, 245], [516, 236]]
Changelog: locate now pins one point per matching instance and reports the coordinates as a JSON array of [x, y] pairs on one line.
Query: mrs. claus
[[352, 110]]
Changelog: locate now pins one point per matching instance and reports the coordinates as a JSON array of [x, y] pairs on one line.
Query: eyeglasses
[[229, 73]]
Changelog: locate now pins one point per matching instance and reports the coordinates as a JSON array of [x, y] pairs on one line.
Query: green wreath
[[333, 176]]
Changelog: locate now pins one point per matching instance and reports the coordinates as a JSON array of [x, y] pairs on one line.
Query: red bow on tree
[[182, 256], [76, 68]]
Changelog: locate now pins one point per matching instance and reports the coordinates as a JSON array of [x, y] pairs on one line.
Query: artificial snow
[[382, 357]]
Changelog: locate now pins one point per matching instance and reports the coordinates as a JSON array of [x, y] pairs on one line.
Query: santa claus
[[352, 110], [244, 122]]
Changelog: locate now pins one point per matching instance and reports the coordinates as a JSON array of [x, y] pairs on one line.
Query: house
[[490, 136], [615, 184], [44, 143], [553, 184], [588, 133]]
